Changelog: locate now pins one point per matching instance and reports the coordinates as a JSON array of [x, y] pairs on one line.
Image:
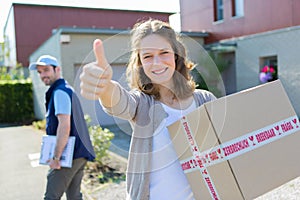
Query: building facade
[[30, 25], [249, 35], [225, 19]]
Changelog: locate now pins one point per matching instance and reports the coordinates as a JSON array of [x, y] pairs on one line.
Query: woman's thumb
[[99, 54]]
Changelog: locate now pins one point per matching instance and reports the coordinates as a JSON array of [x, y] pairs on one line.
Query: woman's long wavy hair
[[183, 83]]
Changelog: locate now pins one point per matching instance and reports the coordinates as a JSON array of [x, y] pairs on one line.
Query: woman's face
[[158, 59]]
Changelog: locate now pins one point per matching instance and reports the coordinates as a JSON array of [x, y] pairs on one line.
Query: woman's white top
[[167, 179]]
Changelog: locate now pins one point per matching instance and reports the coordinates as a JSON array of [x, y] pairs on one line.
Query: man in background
[[64, 118]]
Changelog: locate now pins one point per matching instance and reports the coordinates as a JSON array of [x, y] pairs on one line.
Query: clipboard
[[48, 147]]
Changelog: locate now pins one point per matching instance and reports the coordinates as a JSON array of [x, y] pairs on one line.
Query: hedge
[[16, 101]]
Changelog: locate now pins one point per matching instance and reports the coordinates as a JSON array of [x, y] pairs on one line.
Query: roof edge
[[93, 8], [195, 34], [81, 30]]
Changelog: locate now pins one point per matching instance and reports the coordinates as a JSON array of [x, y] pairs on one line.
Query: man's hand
[[96, 77], [54, 164]]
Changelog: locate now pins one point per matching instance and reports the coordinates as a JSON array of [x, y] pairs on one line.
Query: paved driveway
[[21, 178]]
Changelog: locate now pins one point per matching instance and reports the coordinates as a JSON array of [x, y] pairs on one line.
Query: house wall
[[284, 44], [259, 16], [229, 74], [79, 52], [9, 41], [204, 64], [267, 28], [34, 23]]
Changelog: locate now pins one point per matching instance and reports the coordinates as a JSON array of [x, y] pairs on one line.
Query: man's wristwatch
[[55, 158]]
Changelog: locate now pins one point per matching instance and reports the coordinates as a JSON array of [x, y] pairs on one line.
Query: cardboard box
[[239, 146]]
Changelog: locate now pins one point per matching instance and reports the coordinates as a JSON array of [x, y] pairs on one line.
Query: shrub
[[101, 140], [40, 125], [16, 101]]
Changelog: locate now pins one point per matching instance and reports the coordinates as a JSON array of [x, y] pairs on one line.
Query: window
[[268, 69], [218, 10], [237, 8]]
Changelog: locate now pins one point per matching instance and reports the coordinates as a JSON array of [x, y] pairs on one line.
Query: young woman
[[162, 92]]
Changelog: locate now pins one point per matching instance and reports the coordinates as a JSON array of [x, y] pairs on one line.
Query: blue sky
[[149, 5]]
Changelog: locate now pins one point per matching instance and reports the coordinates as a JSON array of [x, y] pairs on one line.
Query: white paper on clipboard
[[48, 147]]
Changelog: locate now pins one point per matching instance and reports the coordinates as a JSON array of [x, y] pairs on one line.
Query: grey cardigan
[[144, 114]]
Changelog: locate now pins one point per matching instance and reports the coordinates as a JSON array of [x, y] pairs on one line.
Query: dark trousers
[[66, 180]]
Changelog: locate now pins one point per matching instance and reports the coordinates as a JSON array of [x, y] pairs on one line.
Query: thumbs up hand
[[96, 77]]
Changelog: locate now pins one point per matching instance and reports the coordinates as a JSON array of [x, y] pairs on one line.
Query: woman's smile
[[159, 71]]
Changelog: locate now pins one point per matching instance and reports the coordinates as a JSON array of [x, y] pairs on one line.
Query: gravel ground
[[112, 191], [288, 191], [92, 190]]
